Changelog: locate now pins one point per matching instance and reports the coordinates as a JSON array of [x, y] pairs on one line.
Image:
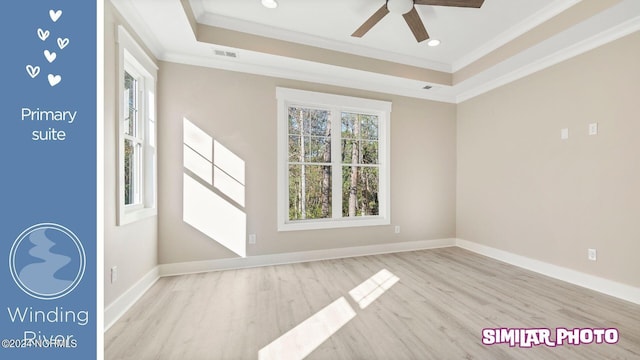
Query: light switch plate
[[564, 134], [114, 274]]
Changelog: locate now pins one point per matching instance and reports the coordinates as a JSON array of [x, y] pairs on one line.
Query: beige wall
[[523, 190], [132, 248], [239, 111]]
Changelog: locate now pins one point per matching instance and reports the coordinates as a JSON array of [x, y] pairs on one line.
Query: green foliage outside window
[[311, 163]]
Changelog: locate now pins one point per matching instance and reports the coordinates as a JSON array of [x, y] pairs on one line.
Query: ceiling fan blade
[[456, 3], [377, 16], [415, 24]]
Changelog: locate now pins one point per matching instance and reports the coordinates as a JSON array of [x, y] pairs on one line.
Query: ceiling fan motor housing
[[399, 6], [407, 9]]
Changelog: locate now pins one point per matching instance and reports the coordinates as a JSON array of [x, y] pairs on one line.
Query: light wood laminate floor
[[430, 304]]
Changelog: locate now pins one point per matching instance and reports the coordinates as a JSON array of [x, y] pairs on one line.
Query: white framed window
[[333, 161], [136, 131]]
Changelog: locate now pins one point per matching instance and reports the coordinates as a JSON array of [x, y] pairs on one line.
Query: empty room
[[371, 179]]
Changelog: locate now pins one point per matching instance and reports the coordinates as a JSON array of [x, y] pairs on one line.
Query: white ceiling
[[467, 35]]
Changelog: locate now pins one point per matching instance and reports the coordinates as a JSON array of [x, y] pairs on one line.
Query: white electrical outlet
[[114, 274], [593, 129], [397, 229], [592, 254], [252, 239], [564, 134]]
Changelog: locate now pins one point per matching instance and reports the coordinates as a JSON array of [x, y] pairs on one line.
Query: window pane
[[359, 126], [309, 192], [129, 176], [359, 134], [130, 104], [359, 151], [309, 149], [306, 121], [317, 149], [132, 172], [347, 146], [369, 152], [348, 125], [360, 191], [295, 148], [369, 127], [309, 135]]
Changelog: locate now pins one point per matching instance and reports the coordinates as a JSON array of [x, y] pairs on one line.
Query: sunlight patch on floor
[[371, 289], [303, 339], [311, 333]]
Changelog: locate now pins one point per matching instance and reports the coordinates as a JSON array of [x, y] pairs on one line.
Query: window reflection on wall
[[213, 189]]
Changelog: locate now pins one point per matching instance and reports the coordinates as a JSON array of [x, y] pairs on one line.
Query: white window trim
[[288, 97], [130, 54]]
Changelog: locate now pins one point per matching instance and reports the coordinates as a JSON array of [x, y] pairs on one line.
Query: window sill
[[301, 225], [132, 216]]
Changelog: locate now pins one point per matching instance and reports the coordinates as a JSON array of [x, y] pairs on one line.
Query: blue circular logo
[[47, 261]]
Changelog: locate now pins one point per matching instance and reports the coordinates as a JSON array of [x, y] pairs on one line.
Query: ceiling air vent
[[231, 54]]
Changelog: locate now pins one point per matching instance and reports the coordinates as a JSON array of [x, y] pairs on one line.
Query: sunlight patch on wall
[[228, 173], [197, 151], [214, 216], [210, 166]]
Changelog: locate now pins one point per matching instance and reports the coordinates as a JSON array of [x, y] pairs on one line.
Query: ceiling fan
[[408, 10]]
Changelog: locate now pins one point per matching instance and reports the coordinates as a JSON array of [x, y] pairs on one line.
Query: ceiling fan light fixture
[[399, 6], [270, 4], [408, 10], [433, 42]]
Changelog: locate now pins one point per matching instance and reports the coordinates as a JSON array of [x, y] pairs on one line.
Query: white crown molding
[[317, 41], [343, 77], [136, 21], [559, 48], [512, 33], [198, 8]]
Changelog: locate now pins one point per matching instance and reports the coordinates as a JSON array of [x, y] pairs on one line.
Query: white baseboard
[[118, 307], [609, 287], [297, 257]]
